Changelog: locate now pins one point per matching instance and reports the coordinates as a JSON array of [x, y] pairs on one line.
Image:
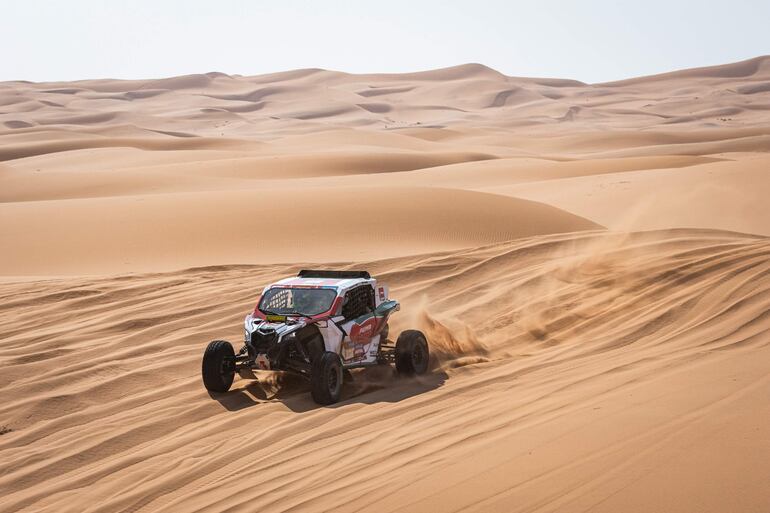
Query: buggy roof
[[324, 273], [325, 278], [337, 283]]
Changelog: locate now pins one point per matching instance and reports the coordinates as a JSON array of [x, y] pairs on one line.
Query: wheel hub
[[332, 379]]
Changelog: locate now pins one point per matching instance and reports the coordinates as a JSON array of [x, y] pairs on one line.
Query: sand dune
[[595, 368], [590, 263], [306, 129], [135, 233]]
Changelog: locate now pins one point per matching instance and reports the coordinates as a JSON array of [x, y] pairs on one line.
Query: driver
[[308, 302]]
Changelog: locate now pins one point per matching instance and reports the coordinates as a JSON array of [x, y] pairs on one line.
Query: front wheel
[[326, 378], [412, 353], [218, 367]]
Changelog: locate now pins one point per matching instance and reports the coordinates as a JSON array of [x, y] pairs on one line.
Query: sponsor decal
[[359, 340], [382, 293], [361, 332]]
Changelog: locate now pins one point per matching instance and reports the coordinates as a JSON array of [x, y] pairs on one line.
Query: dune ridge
[[572, 364], [258, 107], [230, 150], [590, 263]]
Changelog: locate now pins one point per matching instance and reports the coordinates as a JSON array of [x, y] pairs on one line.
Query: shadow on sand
[[367, 386]]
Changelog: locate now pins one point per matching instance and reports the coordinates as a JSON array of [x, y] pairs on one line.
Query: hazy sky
[[587, 40]]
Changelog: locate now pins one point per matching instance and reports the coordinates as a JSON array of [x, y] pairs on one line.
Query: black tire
[[315, 347], [412, 355], [218, 367], [326, 378]]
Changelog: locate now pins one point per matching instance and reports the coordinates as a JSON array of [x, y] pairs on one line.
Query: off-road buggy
[[318, 325]]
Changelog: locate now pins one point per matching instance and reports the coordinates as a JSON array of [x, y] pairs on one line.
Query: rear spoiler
[[339, 275]]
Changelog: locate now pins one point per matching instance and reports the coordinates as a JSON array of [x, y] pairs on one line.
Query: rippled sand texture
[[591, 265], [108, 176]]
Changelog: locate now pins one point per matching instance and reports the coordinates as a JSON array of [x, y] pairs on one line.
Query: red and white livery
[[318, 324]]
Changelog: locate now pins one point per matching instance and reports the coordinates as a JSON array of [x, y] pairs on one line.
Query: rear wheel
[[326, 378], [412, 353], [218, 367]]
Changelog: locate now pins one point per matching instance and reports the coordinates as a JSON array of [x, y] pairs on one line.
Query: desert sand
[[590, 262]]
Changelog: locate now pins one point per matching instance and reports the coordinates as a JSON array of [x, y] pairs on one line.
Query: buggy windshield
[[302, 301]]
